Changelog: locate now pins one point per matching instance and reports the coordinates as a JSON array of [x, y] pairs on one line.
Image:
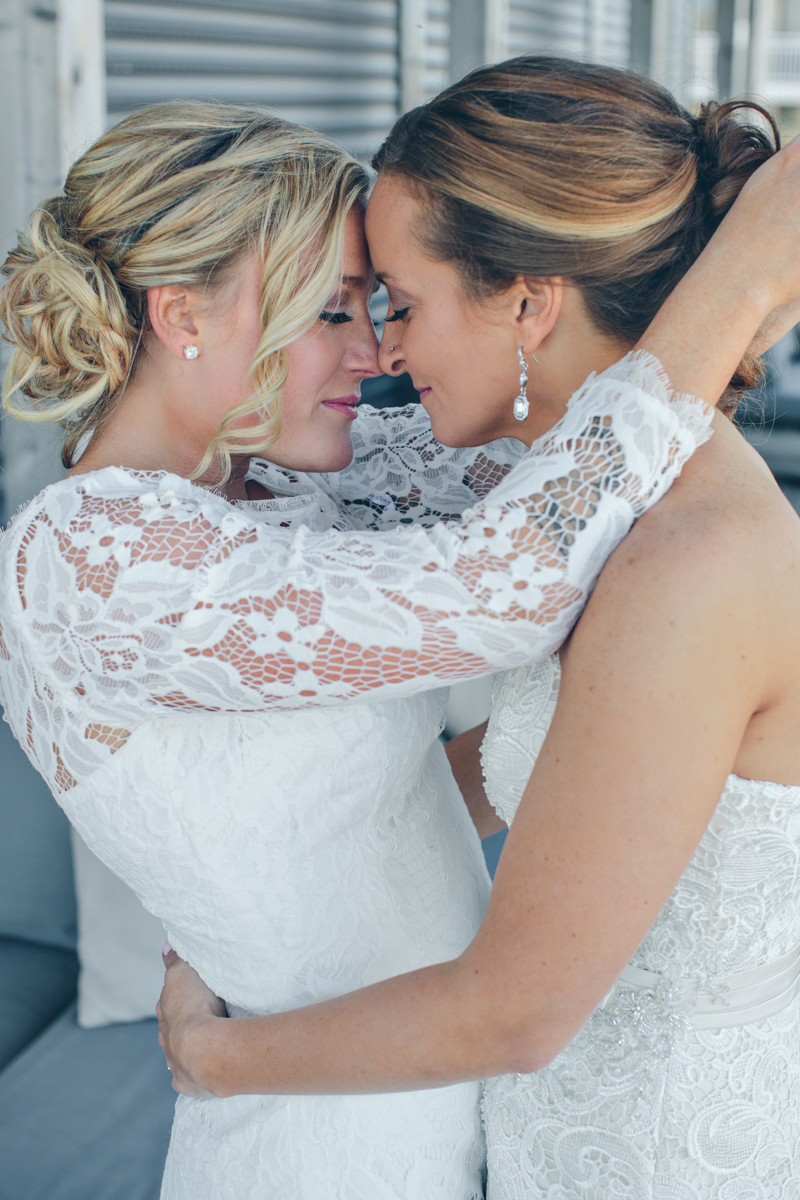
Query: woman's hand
[[760, 235], [742, 292], [186, 1011]]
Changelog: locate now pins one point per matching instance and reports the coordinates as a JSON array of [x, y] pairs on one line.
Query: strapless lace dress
[[238, 708], [685, 1082]]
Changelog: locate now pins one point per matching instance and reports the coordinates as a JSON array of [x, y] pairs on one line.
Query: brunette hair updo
[[175, 193], [545, 166]]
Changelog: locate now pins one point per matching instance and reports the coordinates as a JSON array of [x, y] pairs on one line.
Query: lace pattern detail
[[523, 704], [640, 1103], [127, 595], [400, 474]]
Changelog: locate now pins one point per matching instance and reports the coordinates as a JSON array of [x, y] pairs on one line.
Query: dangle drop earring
[[521, 405]]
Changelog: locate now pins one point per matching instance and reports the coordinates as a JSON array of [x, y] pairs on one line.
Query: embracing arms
[[601, 836], [606, 826]]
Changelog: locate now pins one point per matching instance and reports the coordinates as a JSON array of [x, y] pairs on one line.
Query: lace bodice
[[128, 597], [639, 1096]]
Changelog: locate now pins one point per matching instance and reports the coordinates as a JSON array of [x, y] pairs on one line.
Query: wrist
[[202, 1046]]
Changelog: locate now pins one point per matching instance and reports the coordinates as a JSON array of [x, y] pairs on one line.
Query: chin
[[450, 434], [331, 458]]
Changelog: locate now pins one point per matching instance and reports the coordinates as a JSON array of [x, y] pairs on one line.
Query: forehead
[[356, 266], [393, 218]]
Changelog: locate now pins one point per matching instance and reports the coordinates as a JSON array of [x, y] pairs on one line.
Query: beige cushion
[[119, 946]]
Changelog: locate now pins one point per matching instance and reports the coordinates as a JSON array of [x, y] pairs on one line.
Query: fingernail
[[165, 947]]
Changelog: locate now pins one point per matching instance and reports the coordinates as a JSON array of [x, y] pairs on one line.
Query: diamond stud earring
[[190, 352], [521, 405]]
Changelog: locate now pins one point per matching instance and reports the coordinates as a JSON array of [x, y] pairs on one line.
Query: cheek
[[310, 366]]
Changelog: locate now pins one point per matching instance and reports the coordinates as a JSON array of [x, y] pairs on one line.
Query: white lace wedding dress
[[685, 1083], [238, 708]]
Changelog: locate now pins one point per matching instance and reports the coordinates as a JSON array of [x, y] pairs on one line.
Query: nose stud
[[391, 349]]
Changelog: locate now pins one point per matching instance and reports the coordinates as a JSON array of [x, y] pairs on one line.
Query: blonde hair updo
[[175, 193]]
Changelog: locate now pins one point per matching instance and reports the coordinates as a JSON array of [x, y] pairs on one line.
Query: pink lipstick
[[346, 405]]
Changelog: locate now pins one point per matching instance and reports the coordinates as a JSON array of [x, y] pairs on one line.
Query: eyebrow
[[354, 280]]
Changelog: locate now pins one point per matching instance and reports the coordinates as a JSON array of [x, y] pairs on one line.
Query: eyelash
[[335, 318], [399, 314]]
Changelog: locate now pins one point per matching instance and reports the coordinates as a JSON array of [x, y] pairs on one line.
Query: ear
[[534, 306], [170, 309]]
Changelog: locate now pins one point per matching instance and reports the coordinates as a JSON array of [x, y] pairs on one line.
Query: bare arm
[[464, 755], [605, 829], [745, 280]]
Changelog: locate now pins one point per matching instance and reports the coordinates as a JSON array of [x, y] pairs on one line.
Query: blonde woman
[[644, 832]]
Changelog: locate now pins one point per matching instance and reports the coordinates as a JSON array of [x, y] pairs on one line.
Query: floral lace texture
[[401, 475], [641, 1104], [128, 595]]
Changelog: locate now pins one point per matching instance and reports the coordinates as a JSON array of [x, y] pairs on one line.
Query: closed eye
[[399, 314], [335, 318]]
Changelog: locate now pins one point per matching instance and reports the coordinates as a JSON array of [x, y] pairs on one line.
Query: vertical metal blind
[[331, 64]]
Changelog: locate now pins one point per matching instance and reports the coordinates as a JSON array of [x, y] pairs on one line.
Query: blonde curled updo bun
[[545, 166], [175, 193]]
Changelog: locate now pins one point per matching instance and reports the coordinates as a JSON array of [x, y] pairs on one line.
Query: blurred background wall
[[68, 68]]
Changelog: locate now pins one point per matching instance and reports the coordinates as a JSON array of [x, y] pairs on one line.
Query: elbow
[[519, 1031], [529, 1037], [529, 1050]]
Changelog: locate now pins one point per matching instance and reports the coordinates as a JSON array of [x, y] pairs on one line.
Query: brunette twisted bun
[[545, 166]]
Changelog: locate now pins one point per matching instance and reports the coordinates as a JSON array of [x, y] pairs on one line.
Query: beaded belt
[[729, 1000]]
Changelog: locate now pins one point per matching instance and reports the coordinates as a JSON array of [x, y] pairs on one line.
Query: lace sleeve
[[400, 474], [127, 593]]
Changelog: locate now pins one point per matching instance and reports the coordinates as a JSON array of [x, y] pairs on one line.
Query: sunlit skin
[[461, 352], [683, 668], [172, 407]]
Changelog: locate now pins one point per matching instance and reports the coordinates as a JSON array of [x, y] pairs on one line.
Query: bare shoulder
[[723, 526], [702, 601]]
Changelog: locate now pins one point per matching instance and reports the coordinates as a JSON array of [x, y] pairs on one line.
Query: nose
[[390, 352], [362, 352]]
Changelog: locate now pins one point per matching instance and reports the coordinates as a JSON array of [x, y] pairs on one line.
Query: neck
[[567, 356], [154, 425]]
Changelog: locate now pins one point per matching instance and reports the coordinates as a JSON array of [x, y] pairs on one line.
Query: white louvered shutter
[[331, 64], [598, 29], [437, 47]]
